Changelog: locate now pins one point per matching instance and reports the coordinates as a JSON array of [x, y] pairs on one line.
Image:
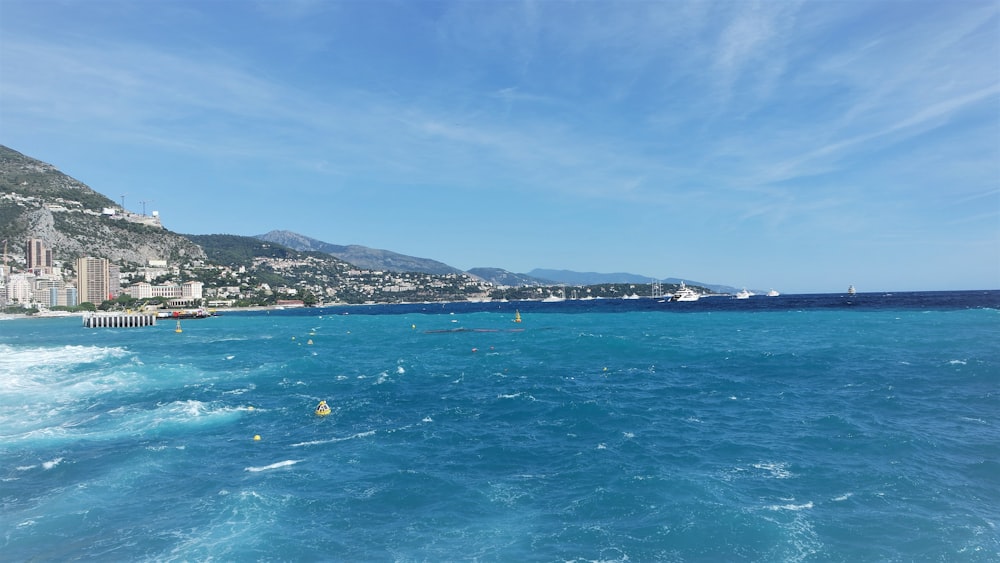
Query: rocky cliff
[[39, 201]]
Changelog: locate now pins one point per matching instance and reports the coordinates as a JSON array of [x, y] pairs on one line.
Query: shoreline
[[61, 314]]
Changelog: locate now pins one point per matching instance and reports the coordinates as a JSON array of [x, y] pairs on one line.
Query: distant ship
[[773, 293], [743, 294], [851, 290], [685, 293]]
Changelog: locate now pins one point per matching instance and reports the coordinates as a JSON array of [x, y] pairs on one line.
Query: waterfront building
[[192, 289], [93, 279]]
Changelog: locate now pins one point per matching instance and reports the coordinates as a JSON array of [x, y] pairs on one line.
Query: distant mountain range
[[360, 256], [500, 276], [570, 277], [376, 259]]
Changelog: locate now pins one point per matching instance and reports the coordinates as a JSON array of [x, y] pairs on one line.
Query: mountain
[[500, 276], [236, 250], [39, 201], [570, 277], [361, 256]]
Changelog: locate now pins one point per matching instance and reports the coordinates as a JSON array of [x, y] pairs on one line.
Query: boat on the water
[[198, 313], [685, 293], [851, 290], [743, 294], [773, 293]]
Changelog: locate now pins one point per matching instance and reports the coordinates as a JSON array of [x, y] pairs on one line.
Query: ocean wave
[[44, 370], [796, 507], [335, 440], [286, 463], [775, 470]]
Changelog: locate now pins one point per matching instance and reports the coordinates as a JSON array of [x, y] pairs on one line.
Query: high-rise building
[[39, 257], [93, 279]]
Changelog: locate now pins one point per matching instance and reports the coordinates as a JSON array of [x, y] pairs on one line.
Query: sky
[[800, 146]]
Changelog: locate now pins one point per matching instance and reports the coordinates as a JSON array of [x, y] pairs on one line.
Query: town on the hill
[[293, 279]]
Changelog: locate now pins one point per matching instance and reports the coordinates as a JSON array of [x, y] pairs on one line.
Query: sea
[[793, 428]]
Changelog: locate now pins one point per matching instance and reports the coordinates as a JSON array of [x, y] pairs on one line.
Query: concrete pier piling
[[119, 320]]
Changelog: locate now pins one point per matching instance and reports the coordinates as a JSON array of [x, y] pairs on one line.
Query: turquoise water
[[798, 429]]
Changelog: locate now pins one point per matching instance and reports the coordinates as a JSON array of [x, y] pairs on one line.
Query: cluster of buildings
[[44, 283]]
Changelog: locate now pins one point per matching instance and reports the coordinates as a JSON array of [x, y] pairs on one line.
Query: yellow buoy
[[322, 409], [250, 408], [517, 316], [178, 329], [310, 342], [256, 437]]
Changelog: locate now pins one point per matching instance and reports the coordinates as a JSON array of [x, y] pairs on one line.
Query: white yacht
[[773, 293], [685, 293], [851, 290], [743, 294]]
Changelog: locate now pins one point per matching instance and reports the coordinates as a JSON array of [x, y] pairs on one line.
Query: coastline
[[61, 314]]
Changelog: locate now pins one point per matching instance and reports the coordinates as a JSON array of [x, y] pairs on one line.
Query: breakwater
[[119, 320]]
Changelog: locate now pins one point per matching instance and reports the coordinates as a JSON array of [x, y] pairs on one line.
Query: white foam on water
[[958, 362], [775, 470], [286, 463], [170, 416], [802, 540], [52, 463], [47, 372], [805, 506], [335, 440], [843, 497], [969, 419]]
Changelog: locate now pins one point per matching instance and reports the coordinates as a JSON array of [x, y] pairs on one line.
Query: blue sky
[[803, 146]]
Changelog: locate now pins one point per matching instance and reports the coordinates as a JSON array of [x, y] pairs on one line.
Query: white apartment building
[[187, 291], [21, 288]]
